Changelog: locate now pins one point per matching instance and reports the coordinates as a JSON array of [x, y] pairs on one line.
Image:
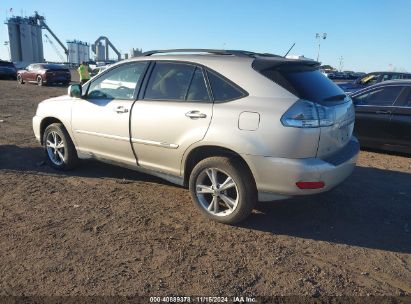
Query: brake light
[[306, 114], [310, 185]]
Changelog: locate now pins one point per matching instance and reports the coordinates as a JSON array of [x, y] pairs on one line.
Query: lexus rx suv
[[235, 127]]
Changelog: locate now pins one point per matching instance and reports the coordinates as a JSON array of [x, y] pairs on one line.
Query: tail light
[[306, 114]]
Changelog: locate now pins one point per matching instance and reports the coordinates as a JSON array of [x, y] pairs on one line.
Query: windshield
[[309, 84]]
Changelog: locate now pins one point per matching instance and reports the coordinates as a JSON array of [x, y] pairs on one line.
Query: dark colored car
[[372, 78], [7, 70], [44, 73], [383, 116]]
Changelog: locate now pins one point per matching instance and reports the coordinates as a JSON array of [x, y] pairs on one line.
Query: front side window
[[119, 83], [222, 89], [380, 97]]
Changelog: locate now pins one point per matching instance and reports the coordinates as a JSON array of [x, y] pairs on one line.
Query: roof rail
[[238, 53]]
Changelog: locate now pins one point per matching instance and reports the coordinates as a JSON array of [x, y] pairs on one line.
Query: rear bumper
[[276, 178]]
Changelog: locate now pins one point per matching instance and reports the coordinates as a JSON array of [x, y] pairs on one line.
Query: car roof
[[389, 73]]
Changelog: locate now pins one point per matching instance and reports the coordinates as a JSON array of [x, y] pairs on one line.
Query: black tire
[[246, 192], [70, 159], [39, 80], [20, 79]]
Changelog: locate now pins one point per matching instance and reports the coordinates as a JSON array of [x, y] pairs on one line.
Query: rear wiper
[[335, 97]]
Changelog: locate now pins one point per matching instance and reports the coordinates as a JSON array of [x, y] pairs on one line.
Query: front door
[[173, 113], [100, 120]]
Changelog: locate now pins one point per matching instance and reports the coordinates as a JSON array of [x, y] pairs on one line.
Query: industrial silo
[[100, 52], [86, 52], [26, 43], [14, 40], [72, 52], [80, 51], [40, 43], [34, 43]]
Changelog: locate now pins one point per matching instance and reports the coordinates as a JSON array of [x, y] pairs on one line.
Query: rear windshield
[[53, 67], [5, 63], [306, 83]]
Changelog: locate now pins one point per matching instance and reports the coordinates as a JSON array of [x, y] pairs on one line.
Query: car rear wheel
[[59, 148], [39, 80], [20, 79], [223, 189]]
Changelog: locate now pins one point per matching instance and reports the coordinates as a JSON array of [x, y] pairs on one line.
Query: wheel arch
[[45, 123], [202, 152]]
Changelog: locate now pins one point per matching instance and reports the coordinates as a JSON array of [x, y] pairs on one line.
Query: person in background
[[84, 72]]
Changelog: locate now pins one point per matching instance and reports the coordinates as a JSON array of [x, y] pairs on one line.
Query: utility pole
[[320, 36], [341, 63]]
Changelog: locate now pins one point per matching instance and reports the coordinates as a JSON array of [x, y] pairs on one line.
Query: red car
[[44, 73]]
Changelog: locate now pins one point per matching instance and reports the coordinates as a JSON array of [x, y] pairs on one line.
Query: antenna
[[289, 50]]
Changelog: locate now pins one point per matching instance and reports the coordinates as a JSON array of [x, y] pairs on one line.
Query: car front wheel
[[223, 189], [20, 79], [59, 148], [39, 80]]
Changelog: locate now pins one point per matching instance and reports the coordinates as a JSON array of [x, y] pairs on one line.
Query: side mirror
[[74, 90]]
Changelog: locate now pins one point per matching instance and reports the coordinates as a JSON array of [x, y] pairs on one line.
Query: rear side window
[[309, 84], [222, 89]]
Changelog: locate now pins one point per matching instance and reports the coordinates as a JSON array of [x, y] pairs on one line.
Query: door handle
[[121, 109], [382, 112], [195, 114]]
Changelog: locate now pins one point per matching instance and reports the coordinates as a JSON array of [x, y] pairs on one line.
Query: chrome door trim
[[154, 143], [123, 138], [133, 140]]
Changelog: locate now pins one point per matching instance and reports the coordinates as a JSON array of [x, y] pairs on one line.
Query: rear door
[[100, 120], [171, 114], [374, 109]]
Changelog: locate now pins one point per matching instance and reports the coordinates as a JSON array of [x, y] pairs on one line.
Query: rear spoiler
[[264, 63]]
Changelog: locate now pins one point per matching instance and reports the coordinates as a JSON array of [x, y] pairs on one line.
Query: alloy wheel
[[55, 148], [217, 192]]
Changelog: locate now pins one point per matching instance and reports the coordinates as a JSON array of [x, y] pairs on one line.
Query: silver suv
[[233, 126]]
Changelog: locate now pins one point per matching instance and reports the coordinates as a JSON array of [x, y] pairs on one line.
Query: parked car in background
[[372, 78], [98, 69], [349, 75], [383, 116], [233, 126], [44, 73], [7, 70]]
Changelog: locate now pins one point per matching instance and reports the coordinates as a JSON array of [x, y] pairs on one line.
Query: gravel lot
[[103, 230]]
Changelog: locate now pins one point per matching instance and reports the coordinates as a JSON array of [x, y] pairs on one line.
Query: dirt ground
[[103, 230]]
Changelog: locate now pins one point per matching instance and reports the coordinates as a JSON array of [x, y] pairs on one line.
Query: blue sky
[[369, 34]]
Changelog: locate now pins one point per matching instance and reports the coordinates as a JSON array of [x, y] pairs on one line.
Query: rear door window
[[222, 89], [380, 97], [169, 81], [198, 89]]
